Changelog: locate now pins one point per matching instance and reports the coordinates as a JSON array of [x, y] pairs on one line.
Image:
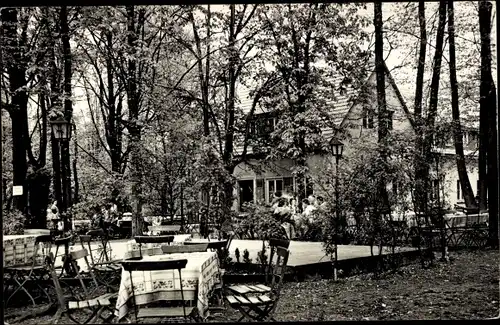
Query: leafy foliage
[[12, 222]]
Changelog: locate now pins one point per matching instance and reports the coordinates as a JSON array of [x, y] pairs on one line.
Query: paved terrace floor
[[301, 253]]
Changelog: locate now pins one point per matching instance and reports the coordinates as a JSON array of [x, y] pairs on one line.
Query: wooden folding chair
[[153, 240], [184, 248], [35, 271], [223, 253], [160, 312], [67, 266], [258, 302], [273, 244], [88, 303], [106, 270]]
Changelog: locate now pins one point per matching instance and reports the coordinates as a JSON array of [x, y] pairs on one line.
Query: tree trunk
[[490, 132], [420, 181], [428, 131], [381, 99], [457, 129], [16, 71], [76, 197], [485, 30], [134, 129], [230, 106], [68, 114]]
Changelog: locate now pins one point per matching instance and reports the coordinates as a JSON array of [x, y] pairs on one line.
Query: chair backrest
[[96, 233], [154, 239], [62, 241], [217, 245], [104, 251], [140, 265], [184, 248], [78, 255]]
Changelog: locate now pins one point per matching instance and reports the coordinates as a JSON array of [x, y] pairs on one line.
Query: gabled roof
[[344, 98]]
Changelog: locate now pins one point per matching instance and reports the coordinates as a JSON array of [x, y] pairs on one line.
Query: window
[[274, 186], [434, 194], [262, 126], [288, 185], [279, 185], [367, 118]]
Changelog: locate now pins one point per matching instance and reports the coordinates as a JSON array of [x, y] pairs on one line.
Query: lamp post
[[61, 134], [336, 148]]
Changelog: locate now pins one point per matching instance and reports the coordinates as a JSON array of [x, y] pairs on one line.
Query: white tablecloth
[[200, 275], [18, 249]]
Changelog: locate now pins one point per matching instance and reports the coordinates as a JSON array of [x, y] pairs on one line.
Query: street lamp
[[336, 149], [61, 134], [61, 129]]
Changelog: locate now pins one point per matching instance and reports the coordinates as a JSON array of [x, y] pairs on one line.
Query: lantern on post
[[336, 149], [61, 129], [61, 134]]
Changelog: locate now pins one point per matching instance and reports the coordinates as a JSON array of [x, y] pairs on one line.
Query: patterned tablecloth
[[18, 249], [199, 276], [132, 248]]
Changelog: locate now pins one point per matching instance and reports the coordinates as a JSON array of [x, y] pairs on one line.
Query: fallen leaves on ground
[[465, 288]]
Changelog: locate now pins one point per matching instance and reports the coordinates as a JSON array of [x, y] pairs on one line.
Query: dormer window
[[262, 126]]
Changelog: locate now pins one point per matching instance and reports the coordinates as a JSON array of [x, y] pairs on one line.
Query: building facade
[[258, 179]]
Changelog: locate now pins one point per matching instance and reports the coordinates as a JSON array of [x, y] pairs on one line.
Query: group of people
[[296, 224], [104, 216]]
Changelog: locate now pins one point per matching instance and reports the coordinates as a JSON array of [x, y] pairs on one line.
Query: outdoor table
[[18, 261], [198, 278], [18, 249], [132, 248]]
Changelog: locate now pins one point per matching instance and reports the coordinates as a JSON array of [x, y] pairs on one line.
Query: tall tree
[[488, 128], [309, 52], [383, 130], [101, 51], [457, 129], [220, 70], [420, 182], [16, 70], [430, 120], [134, 26], [68, 107]]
